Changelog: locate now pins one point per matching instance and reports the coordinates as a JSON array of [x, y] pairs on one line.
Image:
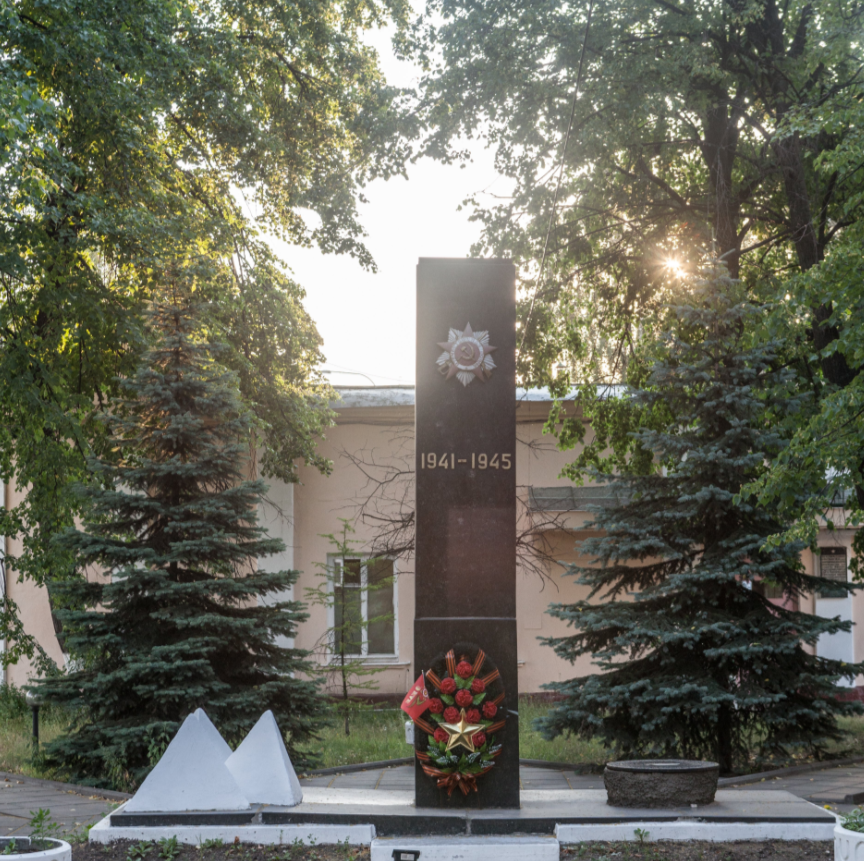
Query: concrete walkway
[[73, 808], [826, 786]]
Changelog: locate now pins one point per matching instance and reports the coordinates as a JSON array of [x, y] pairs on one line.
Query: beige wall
[[319, 503], [373, 435], [32, 601], [382, 438]]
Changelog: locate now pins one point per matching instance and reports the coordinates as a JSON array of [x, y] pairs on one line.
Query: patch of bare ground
[[166, 850], [698, 850]]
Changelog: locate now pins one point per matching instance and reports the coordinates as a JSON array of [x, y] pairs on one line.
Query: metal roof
[[356, 397]]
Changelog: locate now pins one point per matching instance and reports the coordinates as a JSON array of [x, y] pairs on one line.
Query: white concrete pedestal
[[509, 848]]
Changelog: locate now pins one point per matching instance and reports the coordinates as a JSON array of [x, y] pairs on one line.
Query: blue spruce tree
[[694, 661], [181, 617]]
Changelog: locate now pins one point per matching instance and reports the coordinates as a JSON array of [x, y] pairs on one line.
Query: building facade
[[371, 486]]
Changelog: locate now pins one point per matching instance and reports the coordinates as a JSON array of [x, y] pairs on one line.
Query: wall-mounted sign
[[832, 563]]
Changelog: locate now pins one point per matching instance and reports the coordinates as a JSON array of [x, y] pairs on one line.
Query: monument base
[[465, 848], [573, 816]]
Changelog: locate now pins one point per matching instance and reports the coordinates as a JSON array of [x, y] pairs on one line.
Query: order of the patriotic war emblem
[[466, 356]]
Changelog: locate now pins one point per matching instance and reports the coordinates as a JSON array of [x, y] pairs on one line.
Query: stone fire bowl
[[660, 782]]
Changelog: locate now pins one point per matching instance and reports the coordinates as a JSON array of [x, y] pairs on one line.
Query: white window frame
[[334, 563]]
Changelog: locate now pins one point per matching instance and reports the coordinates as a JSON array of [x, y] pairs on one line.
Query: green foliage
[[640, 139], [694, 129], [824, 462], [42, 828], [169, 848], [854, 820], [80, 837], [694, 661], [343, 667], [138, 851], [12, 703], [182, 618], [148, 140]]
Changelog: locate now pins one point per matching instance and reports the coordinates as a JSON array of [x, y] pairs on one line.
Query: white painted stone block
[[504, 848], [60, 851], [192, 774], [206, 727], [269, 835], [262, 768], [690, 829], [848, 845]]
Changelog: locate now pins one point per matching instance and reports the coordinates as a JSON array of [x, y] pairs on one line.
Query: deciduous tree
[[642, 137], [145, 139]]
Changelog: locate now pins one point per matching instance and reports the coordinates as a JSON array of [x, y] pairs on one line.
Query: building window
[[771, 591], [364, 607], [569, 497]]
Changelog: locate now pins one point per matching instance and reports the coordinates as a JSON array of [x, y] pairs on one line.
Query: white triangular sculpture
[[262, 768], [191, 774], [206, 727]]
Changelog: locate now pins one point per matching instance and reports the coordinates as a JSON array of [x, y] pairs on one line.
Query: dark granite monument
[[466, 491]]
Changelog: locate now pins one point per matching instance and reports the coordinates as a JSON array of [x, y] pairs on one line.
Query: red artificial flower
[[464, 699], [441, 735], [448, 686], [436, 706], [464, 669], [451, 715], [479, 739], [489, 710], [478, 686], [473, 716]]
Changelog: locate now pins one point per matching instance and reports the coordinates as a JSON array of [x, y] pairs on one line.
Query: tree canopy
[[154, 142], [642, 137]]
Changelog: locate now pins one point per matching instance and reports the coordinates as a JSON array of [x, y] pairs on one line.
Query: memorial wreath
[[465, 715]]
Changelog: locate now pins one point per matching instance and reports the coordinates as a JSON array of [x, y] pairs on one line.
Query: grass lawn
[[16, 727], [380, 734], [375, 735]]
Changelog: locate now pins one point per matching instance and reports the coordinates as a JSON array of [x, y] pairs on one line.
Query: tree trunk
[[718, 151], [345, 689], [724, 740]]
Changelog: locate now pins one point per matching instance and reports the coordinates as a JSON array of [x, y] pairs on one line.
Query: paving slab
[[10, 825], [393, 813], [830, 785], [21, 796]]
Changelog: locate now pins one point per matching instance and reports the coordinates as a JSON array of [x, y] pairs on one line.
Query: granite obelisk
[[466, 489]]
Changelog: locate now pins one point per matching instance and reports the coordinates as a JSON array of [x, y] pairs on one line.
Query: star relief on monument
[[466, 355], [462, 732]]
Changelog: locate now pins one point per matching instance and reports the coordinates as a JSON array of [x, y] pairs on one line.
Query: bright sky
[[367, 320]]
